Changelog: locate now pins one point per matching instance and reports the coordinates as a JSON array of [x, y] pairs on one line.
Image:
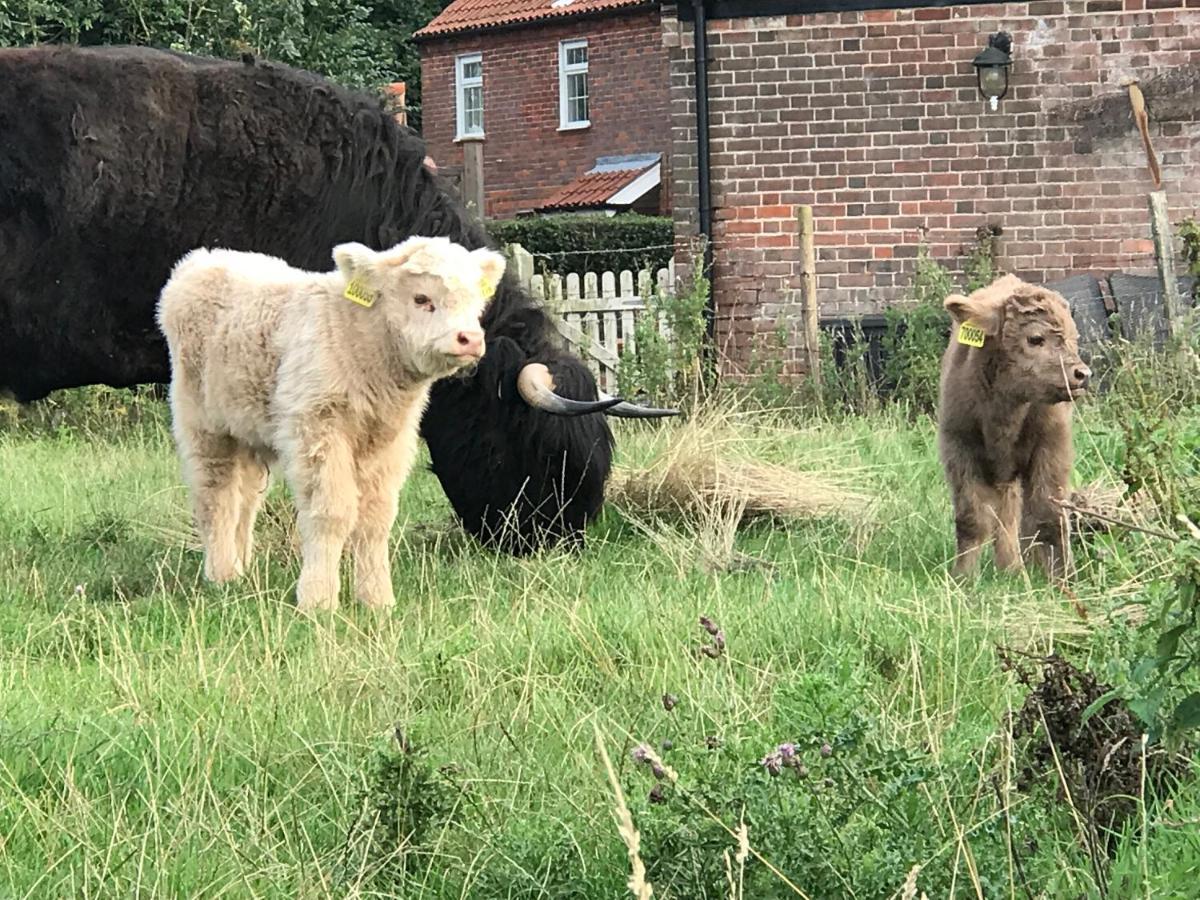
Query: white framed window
[[468, 92], [573, 84]]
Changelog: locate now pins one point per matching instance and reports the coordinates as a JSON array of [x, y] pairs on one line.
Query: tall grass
[[163, 737]]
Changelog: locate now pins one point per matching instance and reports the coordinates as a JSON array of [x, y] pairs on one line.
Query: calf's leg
[[1045, 526], [253, 480], [210, 464], [974, 522], [1045, 529], [1008, 526], [380, 477], [322, 474]]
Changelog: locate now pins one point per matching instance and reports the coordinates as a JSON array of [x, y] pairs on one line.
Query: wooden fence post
[[1164, 251], [808, 293], [522, 264], [473, 175]]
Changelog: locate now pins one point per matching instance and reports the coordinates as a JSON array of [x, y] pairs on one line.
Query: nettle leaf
[[1168, 644], [1146, 709], [1187, 713], [1187, 594], [1145, 666]]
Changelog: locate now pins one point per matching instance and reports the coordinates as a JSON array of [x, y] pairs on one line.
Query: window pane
[[473, 109], [577, 98], [577, 109], [577, 56], [472, 69]]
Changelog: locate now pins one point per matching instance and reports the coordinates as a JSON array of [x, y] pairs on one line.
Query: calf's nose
[[468, 343], [1081, 374]]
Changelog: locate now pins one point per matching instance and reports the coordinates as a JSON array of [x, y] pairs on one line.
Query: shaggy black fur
[[116, 161]]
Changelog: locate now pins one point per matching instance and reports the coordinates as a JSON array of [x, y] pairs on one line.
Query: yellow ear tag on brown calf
[[356, 293], [970, 334]]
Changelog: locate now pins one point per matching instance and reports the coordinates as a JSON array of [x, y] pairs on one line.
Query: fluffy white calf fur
[[327, 374]]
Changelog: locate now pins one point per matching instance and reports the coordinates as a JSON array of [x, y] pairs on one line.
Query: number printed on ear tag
[[970, 334], [359, 294]]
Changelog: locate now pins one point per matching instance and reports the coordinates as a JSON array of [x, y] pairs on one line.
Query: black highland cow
[[116, 161]]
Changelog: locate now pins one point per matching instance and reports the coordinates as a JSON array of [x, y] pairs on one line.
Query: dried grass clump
[[708, 467], [1098, 506]]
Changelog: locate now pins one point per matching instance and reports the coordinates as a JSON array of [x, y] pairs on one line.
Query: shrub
[[402, 806], [1189, 231], [917, 334], [1155, 399], [837, 806], [918, 331], [590, 243], [663, 370]]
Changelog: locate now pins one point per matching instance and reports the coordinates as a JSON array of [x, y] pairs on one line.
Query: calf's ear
[[491, 268], [982, 312], [352, 259]]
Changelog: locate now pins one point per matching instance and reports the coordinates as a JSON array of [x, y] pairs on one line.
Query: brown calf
[[1004, 422]]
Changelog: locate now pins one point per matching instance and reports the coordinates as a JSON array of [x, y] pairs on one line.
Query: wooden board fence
[[596, 312]]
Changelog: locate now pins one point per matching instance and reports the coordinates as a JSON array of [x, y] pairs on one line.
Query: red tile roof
[[590, 189], [470, 15]]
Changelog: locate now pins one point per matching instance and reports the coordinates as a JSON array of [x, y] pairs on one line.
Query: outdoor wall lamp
[[991, 67]]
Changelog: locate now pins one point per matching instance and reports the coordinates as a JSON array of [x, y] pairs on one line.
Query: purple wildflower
[[669, 701], [772, 762], [640, 753], [826, 750], [708, 625]]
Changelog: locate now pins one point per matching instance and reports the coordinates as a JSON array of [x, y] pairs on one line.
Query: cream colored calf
[[327, 374]]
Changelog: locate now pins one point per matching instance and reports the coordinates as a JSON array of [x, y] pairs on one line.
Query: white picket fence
[[595, 312]]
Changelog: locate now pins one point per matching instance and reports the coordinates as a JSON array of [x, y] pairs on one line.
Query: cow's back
[[117, 161]]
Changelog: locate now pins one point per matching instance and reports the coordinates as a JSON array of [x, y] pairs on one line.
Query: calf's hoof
[[1010, 566], [315, 604], [964, 571], [377, 601], [221, 571], [312, 596]]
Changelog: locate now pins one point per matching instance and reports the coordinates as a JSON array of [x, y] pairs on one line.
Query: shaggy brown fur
[[1004, 423]]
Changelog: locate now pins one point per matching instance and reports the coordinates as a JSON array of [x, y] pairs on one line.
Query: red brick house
[[869, 111], [569, 99]]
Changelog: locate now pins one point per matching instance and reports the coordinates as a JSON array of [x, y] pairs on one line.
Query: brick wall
[[874, 119], [526, 157]]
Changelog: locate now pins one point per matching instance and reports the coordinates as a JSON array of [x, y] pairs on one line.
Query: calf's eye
[[1036, 340], [424, 302]]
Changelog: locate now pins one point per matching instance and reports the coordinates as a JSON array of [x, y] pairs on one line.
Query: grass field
[[160, 737]]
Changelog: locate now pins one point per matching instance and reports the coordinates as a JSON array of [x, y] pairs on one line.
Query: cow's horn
[[536, 387], [625, 410]]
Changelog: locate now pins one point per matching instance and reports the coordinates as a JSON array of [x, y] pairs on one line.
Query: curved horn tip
[[632, 411], [536, 387], [624, 410]]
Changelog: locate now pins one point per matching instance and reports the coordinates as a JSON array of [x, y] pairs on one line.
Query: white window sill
[[468, 137], [575, 126]]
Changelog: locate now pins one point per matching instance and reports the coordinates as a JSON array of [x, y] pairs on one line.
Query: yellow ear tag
[[356, 293], [970, 334], [486, 288]]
